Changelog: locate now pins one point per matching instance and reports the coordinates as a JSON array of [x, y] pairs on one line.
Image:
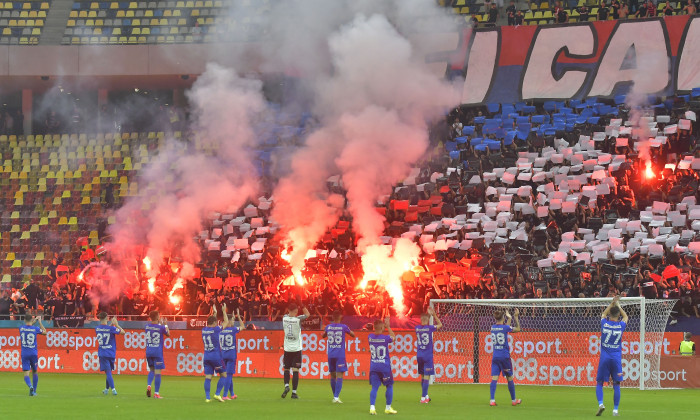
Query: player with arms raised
[[424, 337], [30, 356], [227, 340], [380, 365], [337, 365], [156, 330], [212, 357], [107, 348], [610, 363], [292, 347], [501, 362]]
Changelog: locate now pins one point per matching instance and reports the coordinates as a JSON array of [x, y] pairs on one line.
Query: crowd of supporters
[[453, 207]]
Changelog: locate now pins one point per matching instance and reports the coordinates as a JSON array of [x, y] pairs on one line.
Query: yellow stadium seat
[[120, 13], [62, 221], [133, 5], [73, 220], [14, 229], [43, 221], [25, 235], [71, 23], [114, 5], [10, 256], [44, 6], [83, 14], [136, 31], [16, 264], [39, 256]]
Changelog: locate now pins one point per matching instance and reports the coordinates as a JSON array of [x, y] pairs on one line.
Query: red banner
[[538, 357]]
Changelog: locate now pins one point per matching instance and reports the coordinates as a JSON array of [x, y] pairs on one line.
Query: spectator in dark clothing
[[584, 13], [511, 12], [519, 18], [5, 304], [603, 11], [615, 7], [493, 14]]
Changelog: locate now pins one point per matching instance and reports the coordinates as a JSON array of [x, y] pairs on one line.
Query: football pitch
[[73, 396]]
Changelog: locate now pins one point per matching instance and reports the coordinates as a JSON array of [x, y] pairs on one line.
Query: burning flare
[[175, 299], [387, 268], [296, 272], [649, 172], [151, 285]]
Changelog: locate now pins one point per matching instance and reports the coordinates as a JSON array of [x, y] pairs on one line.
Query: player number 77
[[609, 332]]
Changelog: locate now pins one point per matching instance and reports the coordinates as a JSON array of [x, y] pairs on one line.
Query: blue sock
[[150, 377], [511, 388], [207, 388], [35, 381], [230, 386], [106, 383], [27, 381], [224, 392], [493, 389], [373, 394], [220, 384], [333, 385], [616, 395], [424, 387], [389, 394], [110, 380], [157, 383], [599, 392], [338, 387]]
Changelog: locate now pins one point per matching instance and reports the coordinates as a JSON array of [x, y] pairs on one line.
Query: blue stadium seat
[[538, 119], [529, 109], [620, 99], [468, 130], [454, 154], [493, 108], [479, 120], [462, 140], [695, 93]]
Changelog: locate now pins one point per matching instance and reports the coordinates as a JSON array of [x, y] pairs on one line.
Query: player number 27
[[608, 333], [103, 338]]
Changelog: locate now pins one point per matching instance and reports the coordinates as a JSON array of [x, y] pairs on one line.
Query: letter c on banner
[[540, 80]]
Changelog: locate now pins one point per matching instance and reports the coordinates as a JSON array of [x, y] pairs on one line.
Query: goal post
[[560, 339]]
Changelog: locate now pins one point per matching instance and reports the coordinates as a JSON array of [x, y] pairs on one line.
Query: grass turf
[[80, 397]]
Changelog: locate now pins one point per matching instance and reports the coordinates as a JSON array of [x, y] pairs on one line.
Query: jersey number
[[290, 332], [28, 339], [153, 339], [335, 338], [499, 338], [423, 339], [378, 353], [610, 333], [226, 341], [103, 338], [208, 345]]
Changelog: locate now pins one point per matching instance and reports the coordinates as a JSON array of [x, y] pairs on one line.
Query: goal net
[[559, 343]]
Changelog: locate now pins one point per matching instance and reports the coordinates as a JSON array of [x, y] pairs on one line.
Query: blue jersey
[[499, 338], [27, 335], [424, 337], [155, 334], [379, 348], [106, 340], [611, 339], [227, 341], [336, 340], [212, 348]]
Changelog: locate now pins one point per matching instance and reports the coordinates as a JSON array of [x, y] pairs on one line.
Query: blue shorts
[[337, 364], [211, 366], [380, 378], [230, 366], [425, 366], [106, 364], [30, 362], [609, 368], [499, 365], [155, 362]]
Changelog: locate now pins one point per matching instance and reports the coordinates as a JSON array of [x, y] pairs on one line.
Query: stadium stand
[[21, 22], [161, 22]]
